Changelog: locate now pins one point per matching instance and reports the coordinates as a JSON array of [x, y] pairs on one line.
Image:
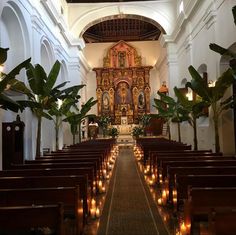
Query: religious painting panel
[[123, 94], [105, 103], [141, 101]]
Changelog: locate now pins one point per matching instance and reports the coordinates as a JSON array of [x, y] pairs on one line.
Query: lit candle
[[153, 177], [183, 229], [92, 213], [104, 173], [103, 189], [164, 197], [175, 201], [159, 201], [100, 186], [97, 213], [151, 182], [93, 203]]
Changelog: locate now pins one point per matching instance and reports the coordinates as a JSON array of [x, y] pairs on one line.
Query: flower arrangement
[[113, 132], [104, 121], [137, 131]]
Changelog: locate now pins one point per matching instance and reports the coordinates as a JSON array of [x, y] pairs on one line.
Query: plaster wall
[[206, 24]]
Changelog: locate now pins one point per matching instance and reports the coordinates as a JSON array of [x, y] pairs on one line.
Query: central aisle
[[129, 208]]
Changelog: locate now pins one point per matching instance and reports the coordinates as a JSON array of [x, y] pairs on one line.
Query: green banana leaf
[[198, 84], [52, 77], [3, 55]]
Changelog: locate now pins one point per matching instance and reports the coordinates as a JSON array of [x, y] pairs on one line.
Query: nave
[[129, 208], [98, 187]]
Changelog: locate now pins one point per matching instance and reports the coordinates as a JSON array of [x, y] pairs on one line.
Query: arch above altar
[[123, 88]]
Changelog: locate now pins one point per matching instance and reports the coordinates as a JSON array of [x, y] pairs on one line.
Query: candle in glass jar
[[97, 213]]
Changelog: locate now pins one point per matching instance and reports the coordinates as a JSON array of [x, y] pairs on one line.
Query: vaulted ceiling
[[120, 27], [96, 1], [126, 29]]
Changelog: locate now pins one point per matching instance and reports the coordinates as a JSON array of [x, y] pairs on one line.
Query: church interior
[[118, 117]]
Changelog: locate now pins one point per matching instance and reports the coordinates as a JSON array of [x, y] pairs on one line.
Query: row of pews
[[58, 191], [197, 187]]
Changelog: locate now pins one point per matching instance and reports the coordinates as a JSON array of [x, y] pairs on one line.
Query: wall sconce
[[189, 95], [211, 83], [1, 71], [1, 68], [59, 103], [164, 88]]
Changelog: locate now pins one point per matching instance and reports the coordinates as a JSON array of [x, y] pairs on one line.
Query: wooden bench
[[196, 163], [69, 196], [157, 166], [222, 221], [50, 166], [52, 172], [52, 181], [183, 182], [157, 159], [203, 170], [202, 200], [68, 160], [13, 219]]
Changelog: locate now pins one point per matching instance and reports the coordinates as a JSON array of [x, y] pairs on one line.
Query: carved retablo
[[123, 88]]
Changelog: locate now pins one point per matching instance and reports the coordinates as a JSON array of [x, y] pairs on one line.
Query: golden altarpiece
[[123, 90]]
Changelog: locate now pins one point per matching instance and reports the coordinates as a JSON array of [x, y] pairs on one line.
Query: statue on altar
[[123, 94]]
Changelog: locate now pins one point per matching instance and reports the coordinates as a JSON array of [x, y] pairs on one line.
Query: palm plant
[[145, 120], [213, 95], [61, 107], [137, 131], [42, 92], [113, 132], [8, 81], [194, 109], [74, 118], [170, 110], [104, 122]]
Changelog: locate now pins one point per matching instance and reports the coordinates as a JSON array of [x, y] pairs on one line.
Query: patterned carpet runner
[[129, 208]]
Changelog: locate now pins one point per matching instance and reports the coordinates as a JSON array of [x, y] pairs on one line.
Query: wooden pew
[[191, 170], [52, 181], [69, 196], [222, 221], [168, 156], [202, 200], [68, 160], [82, 165], [89, 171], [13, 219], [196, 163], [183, 182], [157, 166]]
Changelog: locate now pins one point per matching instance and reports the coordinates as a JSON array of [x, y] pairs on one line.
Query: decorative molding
[[59, 21], [188, 43], [37, 23], [209, 18], [84, 63]]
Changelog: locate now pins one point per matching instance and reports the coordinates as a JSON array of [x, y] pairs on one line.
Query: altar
[[123, 88], [124, 128]]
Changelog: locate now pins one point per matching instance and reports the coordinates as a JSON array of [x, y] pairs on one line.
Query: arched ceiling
[[96, 1], [120, 27], [127, 28]]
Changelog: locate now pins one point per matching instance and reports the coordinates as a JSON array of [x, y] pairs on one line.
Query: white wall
[[201, 24], [30, 24], [186, 42]]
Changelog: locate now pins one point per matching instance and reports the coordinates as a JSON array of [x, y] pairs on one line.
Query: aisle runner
[[128, 209]]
